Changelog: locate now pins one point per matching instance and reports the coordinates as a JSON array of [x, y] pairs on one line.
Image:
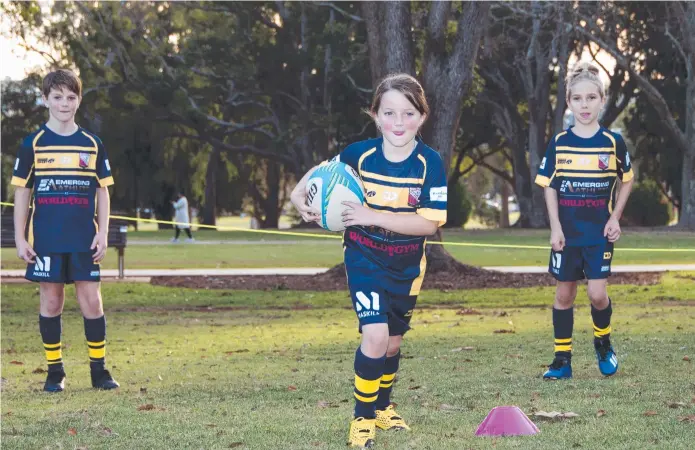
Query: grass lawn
[[267, 250], [268, 370]]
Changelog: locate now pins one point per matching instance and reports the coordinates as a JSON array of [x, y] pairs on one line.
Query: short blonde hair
[[584, 71]]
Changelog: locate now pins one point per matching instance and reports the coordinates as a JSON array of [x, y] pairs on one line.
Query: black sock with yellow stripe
[[386, 383], [602, 323], [95, 332], [51, 329], [563, 324], [368, 372]]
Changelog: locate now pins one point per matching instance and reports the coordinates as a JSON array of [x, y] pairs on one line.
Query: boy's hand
[[357, 214], [612, 230], [99, 244], [308, 214], [557, 239], [25, 252]]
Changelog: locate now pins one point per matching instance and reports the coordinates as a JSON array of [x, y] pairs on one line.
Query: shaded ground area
[[463, 277]]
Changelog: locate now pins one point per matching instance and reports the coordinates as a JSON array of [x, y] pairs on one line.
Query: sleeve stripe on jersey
[[36, 139], [96, 147], [627, 176], [364, 155], [17, 181], [544, 181], [108, 181], [609, 136], [559, 135], [438, 215], [73, 173]]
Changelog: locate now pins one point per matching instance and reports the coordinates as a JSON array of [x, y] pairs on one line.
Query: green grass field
[[267, 250], [268, 370]]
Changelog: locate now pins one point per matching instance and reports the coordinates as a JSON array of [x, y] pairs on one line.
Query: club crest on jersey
[[84, 160], [414, 196], [603, 161]]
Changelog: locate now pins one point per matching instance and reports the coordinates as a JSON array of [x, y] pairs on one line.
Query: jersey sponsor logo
[[67, 186], [390, 196], [371, 194], [70, 200], [564, 161], [438, 194], [584, 186], [388, 248], [45, 160], [84, 160], [16, 164], [603, 161], [42, 267], [94, 273], [607, 255], [108, 166], [605, 268], [584, 202], [542, 164], [366, 306], [556, 260]]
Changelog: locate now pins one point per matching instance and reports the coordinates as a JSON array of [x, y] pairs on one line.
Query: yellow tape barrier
[[331, 236]]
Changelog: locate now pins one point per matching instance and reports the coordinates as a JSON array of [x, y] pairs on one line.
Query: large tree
[[442, 40], [676, 21]]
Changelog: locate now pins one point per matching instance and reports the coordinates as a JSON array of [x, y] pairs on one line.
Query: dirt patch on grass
[[464, 277]]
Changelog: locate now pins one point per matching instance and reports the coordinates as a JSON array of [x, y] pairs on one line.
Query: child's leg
[[177, 232], [52, 299], [188, 233], [369, 367], [563, 318], [601, 309], [393, 357], [89, 299]]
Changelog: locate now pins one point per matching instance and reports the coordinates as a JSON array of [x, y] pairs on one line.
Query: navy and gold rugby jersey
[[584, 172], [416, 185], [64, 172]]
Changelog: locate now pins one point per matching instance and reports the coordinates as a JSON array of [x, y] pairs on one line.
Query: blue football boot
[[560, 368], [607, 361]]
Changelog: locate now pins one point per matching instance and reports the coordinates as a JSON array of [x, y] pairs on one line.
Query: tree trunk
[[686, 217], [537, 218], [504, 214], [272, 200], [209, 213]]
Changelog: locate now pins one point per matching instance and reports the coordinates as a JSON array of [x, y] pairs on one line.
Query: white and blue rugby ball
[[328, 187]]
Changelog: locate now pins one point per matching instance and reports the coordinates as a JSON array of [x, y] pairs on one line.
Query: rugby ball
[[328, 187]]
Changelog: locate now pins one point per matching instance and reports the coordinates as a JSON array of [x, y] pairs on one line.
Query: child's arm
[[612, 229], [22, 197], [409, 224], [298, 199], [557, 237], [100, 239]]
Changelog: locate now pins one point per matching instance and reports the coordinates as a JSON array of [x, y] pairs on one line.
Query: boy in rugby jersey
[[384, 243], [63, 171], [580, 174]]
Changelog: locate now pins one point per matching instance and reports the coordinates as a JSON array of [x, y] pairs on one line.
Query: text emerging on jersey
[[391, 249]]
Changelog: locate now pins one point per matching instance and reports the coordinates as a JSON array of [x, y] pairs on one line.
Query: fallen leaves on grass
[[291, 388], [600, 413], [446, 407], [243, 350], [72, 431], [326, 404], [460, 349], [554, 415], [468, 312], [649, 413], [17, 363], [149, 407], [675, 405], [38, 370], [236, 444], [686, 358], [688, 419], [503, 331], [414, 388]]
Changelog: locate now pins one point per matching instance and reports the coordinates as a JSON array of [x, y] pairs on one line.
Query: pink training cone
[[506, 421]]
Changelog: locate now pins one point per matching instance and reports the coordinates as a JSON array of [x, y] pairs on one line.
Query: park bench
[[117, 236]]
